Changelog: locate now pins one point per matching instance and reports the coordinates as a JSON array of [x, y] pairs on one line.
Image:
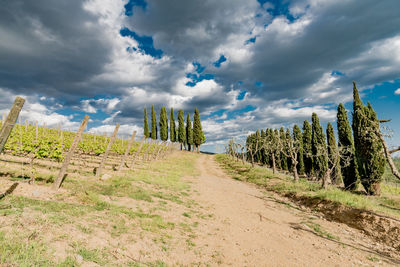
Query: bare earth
[[252, 227]]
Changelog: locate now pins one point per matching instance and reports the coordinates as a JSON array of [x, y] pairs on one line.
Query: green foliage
[[197, 130], [153, 124], [333, 155], [278, 161], [307, 148], [288, 139], [189, 132], [319, 150], [298, 143], [181, 128], [284, 160], [368, 148], [146, 125], [348, 163], [172, 130], [163, 124]]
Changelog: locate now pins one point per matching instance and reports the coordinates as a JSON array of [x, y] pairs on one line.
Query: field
[[179, 209]]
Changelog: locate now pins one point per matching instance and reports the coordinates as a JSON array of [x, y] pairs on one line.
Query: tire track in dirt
[[255, 228]]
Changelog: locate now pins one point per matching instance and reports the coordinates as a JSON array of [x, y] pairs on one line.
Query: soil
[[252, 227]]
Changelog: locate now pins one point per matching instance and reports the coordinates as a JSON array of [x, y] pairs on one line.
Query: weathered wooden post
[[127, 151], [103, 160], [37, 131], [75, 142], [9, 123], [159, 150], [138, 151], [146, 154]]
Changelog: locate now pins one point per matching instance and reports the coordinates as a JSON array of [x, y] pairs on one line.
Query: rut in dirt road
[[252, 227]]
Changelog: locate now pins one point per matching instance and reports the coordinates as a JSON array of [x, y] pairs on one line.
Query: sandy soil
[[252, 227]]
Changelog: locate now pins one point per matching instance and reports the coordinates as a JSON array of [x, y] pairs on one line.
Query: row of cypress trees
[[357, 157], [190, 136]]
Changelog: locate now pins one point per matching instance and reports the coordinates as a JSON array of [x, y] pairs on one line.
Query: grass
[[388, 203], [319, 231], [89, 206]]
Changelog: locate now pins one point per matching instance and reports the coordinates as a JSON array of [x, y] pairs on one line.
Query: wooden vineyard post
[[75, 142], [37, 131], [127, 151], [145, 155], [103, 160], [138, 151], [9, 123], [159, 150]]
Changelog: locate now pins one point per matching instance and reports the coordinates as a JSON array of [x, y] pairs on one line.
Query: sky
[[245, 64]]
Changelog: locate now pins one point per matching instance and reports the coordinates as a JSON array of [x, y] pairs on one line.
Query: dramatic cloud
[[245, 64]]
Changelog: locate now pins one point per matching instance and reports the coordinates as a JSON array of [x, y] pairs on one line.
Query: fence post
[[37, 131], [103, 160], [77, 138], [10, 121], [138, 151], [127, 151], [145, 155]]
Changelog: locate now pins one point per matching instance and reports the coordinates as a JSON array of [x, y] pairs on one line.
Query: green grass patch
[[388, 203]]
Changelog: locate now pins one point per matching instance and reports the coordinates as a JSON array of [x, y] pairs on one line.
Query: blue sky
[[246, 64]]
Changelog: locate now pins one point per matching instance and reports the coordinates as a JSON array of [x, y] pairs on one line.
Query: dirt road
[[252, 227]]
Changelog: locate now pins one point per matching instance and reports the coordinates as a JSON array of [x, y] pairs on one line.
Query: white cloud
[[124, 131], [397, 92]]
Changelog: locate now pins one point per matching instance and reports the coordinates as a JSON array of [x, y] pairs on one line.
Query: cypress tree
[[181, 128], [288, 140], [146, 125], [333, 155], [267, 150], [257, 139], [284, 164], [197, 130], [163, 124], [189, 133], [153, 124], [298, 143], [319, 151], [348, 163], [307, 149], [262, 150], [172, 130], [278, 160], [368, 148]]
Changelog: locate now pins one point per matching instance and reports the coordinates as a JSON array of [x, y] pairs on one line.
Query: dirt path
[[255, 228]]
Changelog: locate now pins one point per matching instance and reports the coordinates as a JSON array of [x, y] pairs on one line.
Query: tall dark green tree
[[197, 130], [153, 123], [288, 139], [189, 133], [298, 143], [319, 149], [333, 156], [307, 149], [146, 125], [181, 129], [284, 159], [163, 124], [369, 150], [263, 150], [276, 140], [348, 163], [172, 130]]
